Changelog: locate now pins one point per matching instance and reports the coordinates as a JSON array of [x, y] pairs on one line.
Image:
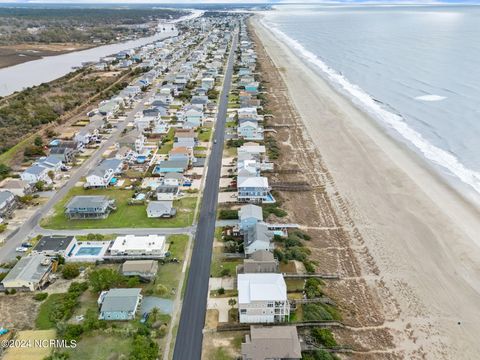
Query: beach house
[[104, 173], [262, 298], [254, 189], [30, 273]]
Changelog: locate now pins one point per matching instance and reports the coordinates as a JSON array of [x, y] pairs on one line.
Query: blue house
[[175, 166], [249, 215], [119, 304]]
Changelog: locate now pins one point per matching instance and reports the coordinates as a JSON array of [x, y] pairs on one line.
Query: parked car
[[21, 249], [26, 245]]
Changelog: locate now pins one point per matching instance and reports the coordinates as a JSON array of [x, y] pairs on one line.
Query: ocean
[[415, 69]]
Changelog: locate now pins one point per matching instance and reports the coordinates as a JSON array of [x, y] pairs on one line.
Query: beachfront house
[[262, 298], [272, 342], [260, 261], [119, 304], [250, 130], [258, 238], [249, 215], [254, 189], [89, 207]]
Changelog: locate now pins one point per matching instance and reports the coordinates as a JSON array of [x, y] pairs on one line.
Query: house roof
[[261, 255], [5, 195], [141, 266], [29, 269], [104, 166], [88, 201], [53, 243], [250, 211], [272, 342], [261, 287], [35, 170], [161, 206], [138, 242], [253, 181], [120, 300], [174, 164], [258, 232]]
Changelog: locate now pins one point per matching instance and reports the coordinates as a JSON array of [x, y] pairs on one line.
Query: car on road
[[21, 249], [215, 141], [26, 245]]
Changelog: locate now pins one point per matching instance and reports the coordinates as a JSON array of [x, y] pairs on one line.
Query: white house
[[131, 245], [103, 174], [258, 238], [262, 298], [36, 173]]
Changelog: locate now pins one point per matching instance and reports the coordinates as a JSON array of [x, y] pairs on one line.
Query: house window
[[243, 311], [270, 304]]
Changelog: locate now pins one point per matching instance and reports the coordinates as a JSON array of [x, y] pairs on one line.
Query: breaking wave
[[431, 152]]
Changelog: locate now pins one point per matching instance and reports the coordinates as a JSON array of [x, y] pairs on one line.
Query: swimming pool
[[89, 250]]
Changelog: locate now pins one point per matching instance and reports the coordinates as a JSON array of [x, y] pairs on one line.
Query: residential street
[[189, 337], [7, 250]]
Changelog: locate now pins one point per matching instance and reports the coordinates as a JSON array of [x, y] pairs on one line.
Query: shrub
[[40, 296], [221, 291], [225, 272], [317, 311], [324, 337], [70, 271], [313, 288], [226, 214], [161, 290]]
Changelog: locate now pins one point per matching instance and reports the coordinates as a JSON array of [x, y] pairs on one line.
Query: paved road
[[188, 344]]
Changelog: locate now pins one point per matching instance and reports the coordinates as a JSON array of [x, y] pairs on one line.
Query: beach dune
[[423, 236]]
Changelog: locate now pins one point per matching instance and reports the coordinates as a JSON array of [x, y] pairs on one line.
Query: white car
[[21, 249]]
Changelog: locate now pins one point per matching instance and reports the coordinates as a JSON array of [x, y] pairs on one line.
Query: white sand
[[422, 235]]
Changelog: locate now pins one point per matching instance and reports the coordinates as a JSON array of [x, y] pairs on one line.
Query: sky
[[246, 1]]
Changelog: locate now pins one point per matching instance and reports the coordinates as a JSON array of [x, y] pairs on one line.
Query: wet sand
[[421, 237]]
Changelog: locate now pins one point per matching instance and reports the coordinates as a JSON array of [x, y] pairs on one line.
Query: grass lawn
[[101, 347], [219, 264], [204, 134], [43, 318], [296, 285], [169, 274], [165, 148], [131, 216]]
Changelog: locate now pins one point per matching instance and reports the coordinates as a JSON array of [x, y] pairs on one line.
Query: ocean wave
[[431, 152], [431, 97]]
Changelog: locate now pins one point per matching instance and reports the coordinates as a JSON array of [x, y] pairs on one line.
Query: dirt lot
[[18, 311], [336, 243]]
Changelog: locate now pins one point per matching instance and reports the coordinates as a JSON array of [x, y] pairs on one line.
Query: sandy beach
[[417, 241]]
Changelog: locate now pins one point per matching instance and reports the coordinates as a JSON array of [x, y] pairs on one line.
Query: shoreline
[[420, 232]]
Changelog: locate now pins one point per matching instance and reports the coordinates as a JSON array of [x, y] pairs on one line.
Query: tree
[[40, 185], [70, 271], [104, 279], [232, 302], [38, 141], [51, 174], [4, 171], [143, 348]]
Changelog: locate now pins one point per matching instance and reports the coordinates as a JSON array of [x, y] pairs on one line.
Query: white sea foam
[[431, 152], [430, 98]]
